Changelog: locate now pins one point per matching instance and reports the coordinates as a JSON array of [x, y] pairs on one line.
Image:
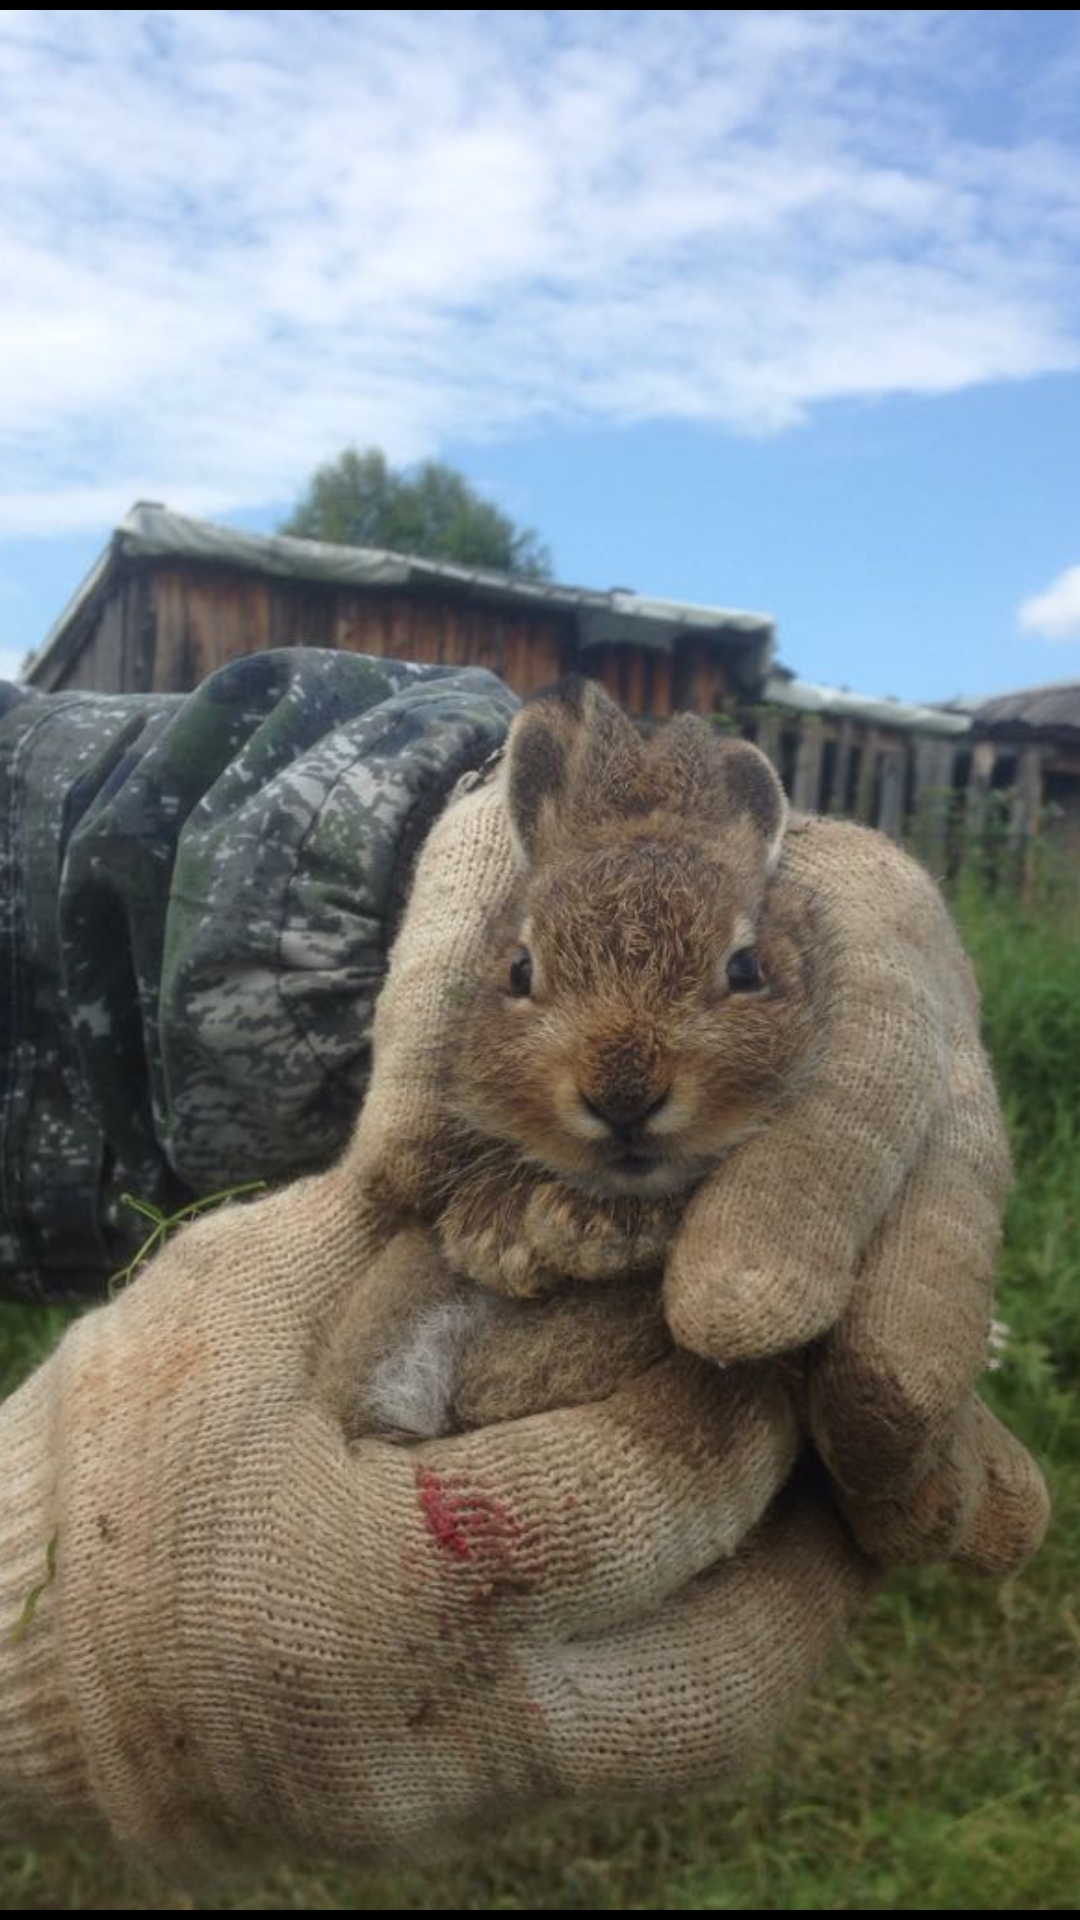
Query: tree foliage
[[360, 500]]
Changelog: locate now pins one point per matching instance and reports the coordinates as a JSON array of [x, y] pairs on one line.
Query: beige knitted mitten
[[768, 1253], [872, 1209], [869, 1210], [258, 1631]]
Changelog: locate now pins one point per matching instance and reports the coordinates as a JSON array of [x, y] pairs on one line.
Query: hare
[[642, 1008]]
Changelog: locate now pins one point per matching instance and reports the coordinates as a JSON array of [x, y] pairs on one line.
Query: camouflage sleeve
[[197, 894]]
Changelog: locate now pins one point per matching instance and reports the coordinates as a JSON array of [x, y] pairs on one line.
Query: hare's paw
[[488, 1244], [584, 1238], [524, 1234]]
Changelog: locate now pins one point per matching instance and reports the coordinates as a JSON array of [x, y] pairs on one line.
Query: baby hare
[[642, 1006]]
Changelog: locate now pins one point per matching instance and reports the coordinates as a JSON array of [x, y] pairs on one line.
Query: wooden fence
[[958, 800]]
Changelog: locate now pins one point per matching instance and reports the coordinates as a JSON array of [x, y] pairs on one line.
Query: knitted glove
[[869, 1211], [257, 1631]]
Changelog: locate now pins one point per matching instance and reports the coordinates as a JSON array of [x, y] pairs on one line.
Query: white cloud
[[11, 659], [233, 242], [1055, 613]]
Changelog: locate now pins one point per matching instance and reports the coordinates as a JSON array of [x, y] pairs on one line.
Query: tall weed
[[1028, 961]]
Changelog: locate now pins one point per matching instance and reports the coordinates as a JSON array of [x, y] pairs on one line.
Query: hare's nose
[[625, 1111]]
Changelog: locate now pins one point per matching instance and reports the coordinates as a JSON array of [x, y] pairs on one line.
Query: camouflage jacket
[[197, 896]]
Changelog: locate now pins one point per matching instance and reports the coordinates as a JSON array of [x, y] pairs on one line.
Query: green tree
[[360, 500]]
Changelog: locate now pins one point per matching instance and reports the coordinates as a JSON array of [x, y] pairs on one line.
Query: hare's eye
[[521, 974], [743, 971]]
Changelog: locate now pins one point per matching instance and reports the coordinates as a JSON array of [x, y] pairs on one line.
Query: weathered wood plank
[[845, 748], [1025, 814], [890, 811], [806, 787], [866, 784], [932, 798]]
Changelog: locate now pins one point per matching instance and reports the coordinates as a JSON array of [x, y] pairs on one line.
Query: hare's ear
[[753, 795], [573, 756], [723, 783]]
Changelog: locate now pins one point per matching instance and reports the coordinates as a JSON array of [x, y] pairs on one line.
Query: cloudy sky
[[776, 310]]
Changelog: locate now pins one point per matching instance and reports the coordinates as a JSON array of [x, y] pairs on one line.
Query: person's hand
[[868, 1212], [255, 1630]]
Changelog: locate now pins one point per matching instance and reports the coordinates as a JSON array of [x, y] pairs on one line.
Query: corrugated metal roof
[[152, 532], [1054, 709], [804, 696]]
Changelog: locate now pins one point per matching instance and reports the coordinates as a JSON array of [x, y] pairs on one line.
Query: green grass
[[939, 1765], [26, 1336], [1028, 962]]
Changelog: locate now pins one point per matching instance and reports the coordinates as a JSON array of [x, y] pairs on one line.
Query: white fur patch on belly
[[412, 1391]]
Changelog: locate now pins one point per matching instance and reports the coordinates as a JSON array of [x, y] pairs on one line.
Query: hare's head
[[645, 1007]]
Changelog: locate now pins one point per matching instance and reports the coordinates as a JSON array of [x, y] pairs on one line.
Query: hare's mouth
[[648, 1176], [634, 1163]]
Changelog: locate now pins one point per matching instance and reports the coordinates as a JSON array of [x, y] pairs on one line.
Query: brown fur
[[581, 1113], [580, 1346], [630, 1007], [868, 1208], [644, 865]]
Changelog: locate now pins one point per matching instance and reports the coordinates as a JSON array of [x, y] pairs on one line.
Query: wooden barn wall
[[639, 678], [113, 654], [203, 618], [527, 649], [96, 666], [652, 685], [167, 626]]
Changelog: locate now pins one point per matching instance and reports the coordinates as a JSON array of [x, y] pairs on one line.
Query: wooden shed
[[981, 780], [1027, 745], [890, 764], [172, 598]]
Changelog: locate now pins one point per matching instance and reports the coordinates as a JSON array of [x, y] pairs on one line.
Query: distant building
[[172, 598], [1027, 744]]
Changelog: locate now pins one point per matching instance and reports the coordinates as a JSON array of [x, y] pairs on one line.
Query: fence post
[[1025, 811], [806, 786], [932, 797], [890, 817]]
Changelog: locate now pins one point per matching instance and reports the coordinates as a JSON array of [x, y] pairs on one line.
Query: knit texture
[[258, 1631], [869, 1211], [770, 1250], [43, 1773], [258, 1628], [465, 870]]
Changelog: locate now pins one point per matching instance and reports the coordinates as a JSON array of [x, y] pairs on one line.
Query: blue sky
[[773, 310]]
